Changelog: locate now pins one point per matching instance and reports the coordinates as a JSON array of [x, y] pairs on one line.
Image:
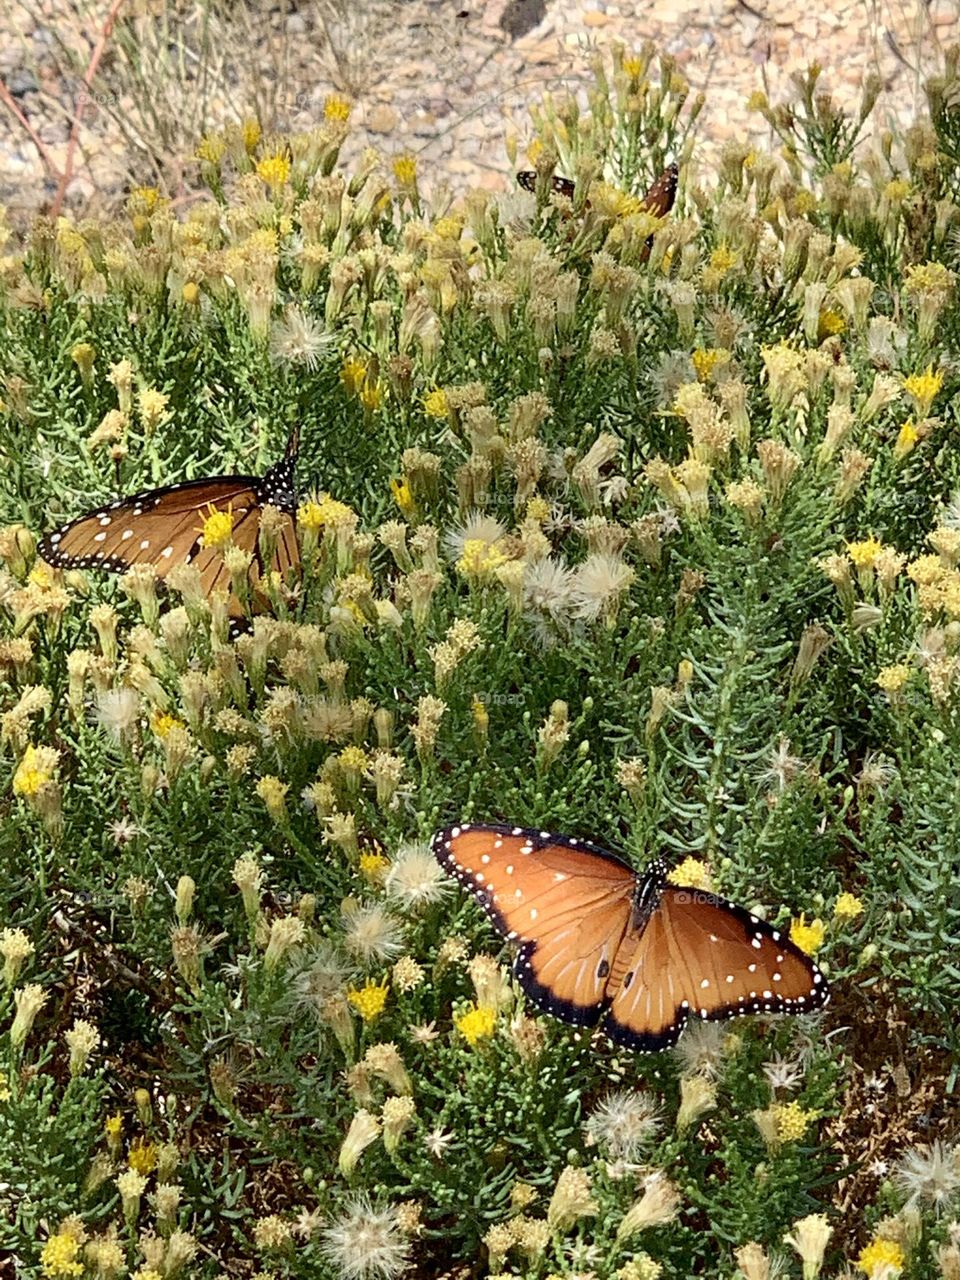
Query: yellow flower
[[864, 554], [479, 558], [879, 1255], [250, 132], [211, 149], [435, 403], [83, 354], [152, 404], [371, 396], [142, 1156], [405, 170], [59, 1256], [113, 1126], [325, 513], [354, 758], [808, 937], [538, 509], [892, 679], [907, 437], [403, 497], [896, 190], [448, 228], [831, 322], [273, 794], [722, 260], [34, 771], [706, 360], [692, 873], [478, 1023], [336, 108], [927, 277], [143, 199], [161, 722], [353, 374], [633, 67], [847, 907], [310, 516], [792, 1120], [757, 101], [190, 293], [374, 867], [922, 388], [217, 526], [369, 1000], [274, 170]]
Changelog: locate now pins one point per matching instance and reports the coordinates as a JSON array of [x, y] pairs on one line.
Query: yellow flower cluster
[[705, 360], [435, 403], [792, 1121], [692, 873], [808, 937], [274, 170], [217, 527], [879, 1257], [477, 1024], [923, 388], [847, 907], [327, 512], [405, 170], [479, 558], [370, 999], [58, 1257]]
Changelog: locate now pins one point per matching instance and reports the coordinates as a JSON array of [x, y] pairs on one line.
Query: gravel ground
[[448, 80]]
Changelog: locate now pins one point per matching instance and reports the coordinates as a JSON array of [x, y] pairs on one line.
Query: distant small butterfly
[[598, 941], [658, 199], [161, 527]]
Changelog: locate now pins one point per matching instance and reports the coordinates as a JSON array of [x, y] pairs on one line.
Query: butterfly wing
[[567, 903], [700, 956], [660, 197], [159, 527], [559, 186], [162, 527]]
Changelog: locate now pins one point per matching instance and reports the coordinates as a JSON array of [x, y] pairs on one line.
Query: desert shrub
[[629, 527]]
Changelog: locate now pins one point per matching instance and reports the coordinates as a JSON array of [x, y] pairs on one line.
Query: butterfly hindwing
[[566, 903], [699, 956]]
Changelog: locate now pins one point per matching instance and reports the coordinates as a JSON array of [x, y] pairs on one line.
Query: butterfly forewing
[[660, 197], [159, 527], [565, 902], [699, 956]]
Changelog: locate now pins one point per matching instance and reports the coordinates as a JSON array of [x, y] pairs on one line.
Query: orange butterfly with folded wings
[[161, 527]]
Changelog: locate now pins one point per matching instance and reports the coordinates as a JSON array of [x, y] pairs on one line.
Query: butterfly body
[[163, 527], [599, 942]]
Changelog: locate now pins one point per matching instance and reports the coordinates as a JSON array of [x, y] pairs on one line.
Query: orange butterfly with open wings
[[596, 940]]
